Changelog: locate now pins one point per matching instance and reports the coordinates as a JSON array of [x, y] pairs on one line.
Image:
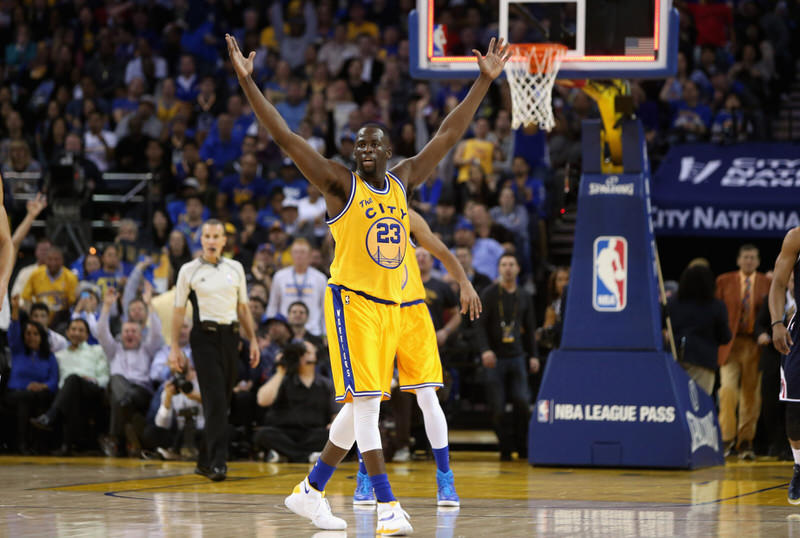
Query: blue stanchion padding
[[623, 409], [613, 288], [611, 396]]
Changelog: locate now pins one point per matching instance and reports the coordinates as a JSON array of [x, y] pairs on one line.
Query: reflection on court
[[103, 497]]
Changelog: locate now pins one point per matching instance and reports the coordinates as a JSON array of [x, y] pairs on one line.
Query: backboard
[[605, 38]]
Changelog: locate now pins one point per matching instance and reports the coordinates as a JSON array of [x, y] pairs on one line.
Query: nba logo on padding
[[543, 410], [610, 275]]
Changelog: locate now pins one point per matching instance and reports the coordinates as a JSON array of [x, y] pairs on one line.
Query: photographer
[[301, 407], [179, 421]]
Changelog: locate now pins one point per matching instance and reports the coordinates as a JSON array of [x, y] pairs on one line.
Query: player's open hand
[[496, 57], [781, 338], [470, 301], [243, 66]]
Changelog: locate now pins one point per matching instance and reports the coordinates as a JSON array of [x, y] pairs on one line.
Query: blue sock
[[383, 491], [361, 467], [442, 457], [320, 474]]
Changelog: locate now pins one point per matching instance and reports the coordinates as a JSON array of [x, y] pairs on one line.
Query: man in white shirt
[[144, 55], [300, 282], [99, 143]]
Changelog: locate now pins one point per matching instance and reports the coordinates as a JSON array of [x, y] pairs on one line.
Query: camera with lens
[[182, 384]]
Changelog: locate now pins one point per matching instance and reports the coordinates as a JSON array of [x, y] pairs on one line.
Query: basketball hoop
[[531, 73]]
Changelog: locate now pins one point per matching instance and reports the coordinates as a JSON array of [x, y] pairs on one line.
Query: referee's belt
[[213, 326]]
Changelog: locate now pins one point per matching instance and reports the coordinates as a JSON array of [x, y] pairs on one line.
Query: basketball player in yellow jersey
[[6, 249], [369, 220], [418, 362]]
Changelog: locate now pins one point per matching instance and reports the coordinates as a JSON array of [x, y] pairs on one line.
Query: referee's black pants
[[215, 355]]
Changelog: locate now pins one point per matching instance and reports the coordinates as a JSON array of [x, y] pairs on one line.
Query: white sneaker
[[393, 520], [314, 456], [309, 503], [402, 455]]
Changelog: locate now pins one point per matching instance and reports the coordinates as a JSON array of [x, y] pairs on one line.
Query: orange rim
[[542, 55]]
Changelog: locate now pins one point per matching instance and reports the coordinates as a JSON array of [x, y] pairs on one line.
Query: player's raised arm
[[415, 169], [6, 249], [328, 176], [470, 301], [777, 290]]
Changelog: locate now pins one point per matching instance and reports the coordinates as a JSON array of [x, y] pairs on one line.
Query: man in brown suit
[[742, 292]]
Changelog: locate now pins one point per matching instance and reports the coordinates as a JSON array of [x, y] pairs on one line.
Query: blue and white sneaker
[[393, 520], [794, 486], [363, 495], [446, 495]]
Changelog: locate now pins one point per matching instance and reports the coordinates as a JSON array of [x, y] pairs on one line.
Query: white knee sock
[[365, 422], [432, 414], [342, 429]]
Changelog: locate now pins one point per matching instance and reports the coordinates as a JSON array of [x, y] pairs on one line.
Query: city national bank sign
[[749, 189]]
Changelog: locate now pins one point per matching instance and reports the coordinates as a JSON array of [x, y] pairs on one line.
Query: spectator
[[732, 124], [311, 208], [220, 147], [83, 376], [146, 112], [145, 65], [478, 149], [335, 52], [34, 374], [691, 119], [251, 234], [159, 369], [264, 267], [503, 138], [302, 31], [235, 190], [40, 254], [99, 143], [298, 318], [257, 308], [301, 407], [741, 291], [190, 223], [529, 190], [514, 219], [20, 161], [699, 325], [129, 387], [506, 334], [293, 108], [187, 81], [40, 314], [556, 284], [52, 284], [486, 252], [300, 282], [479, 281], [179, 422]]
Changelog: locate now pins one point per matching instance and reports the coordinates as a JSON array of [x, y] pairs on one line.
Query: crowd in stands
[[147, 87]]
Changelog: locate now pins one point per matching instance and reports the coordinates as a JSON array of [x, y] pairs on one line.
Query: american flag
[[639, 46]]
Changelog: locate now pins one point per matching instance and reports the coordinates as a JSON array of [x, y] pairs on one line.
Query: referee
[[217, 289]]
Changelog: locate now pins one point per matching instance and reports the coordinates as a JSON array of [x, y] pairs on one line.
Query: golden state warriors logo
[[386, 242]]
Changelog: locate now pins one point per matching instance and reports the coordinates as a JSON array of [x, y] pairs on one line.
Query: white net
[[531, 73]]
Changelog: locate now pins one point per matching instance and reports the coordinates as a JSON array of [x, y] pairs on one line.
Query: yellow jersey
[[371, 235], [57, 293], [413, 288], [480, 150]]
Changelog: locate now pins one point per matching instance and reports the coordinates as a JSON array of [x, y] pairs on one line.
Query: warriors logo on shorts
[[386, 242]]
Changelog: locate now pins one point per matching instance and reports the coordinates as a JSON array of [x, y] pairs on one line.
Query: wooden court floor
[[71, 497]]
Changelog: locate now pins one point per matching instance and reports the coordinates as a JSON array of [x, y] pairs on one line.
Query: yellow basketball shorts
[[363, 332], [418, 362]]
